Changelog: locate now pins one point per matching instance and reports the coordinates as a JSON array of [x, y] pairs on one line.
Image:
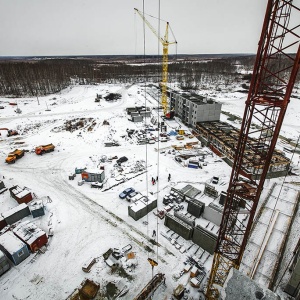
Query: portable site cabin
[[93, 175], [141, 207], [137, 118], [79, 170], [2, 223], [20, 195], [17, 213], [13, 247], [4, 263], [34, 237], [37, 209]]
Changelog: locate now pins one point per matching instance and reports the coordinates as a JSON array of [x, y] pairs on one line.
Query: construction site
[[149, 191]]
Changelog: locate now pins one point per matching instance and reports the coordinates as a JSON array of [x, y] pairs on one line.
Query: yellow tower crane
[[165, 43]]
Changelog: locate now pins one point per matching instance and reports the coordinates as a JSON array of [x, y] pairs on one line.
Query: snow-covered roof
[[28, 232], [36, 205], [139, 204], [93, 171], [22, 194], [10, 242], [16, 190], [14, 210]]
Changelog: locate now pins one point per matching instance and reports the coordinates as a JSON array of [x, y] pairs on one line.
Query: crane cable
[[145, 123], [145, 102], [158, 152]]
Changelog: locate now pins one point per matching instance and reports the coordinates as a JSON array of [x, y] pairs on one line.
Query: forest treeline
[[47, 76]]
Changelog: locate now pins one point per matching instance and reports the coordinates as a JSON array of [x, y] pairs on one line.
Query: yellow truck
[[44, 149], [13, 156]]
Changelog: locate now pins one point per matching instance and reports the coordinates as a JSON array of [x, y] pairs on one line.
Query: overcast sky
[[98, 27]]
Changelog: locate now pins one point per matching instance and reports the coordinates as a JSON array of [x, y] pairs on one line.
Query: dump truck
[[44, 149], [13, 156]]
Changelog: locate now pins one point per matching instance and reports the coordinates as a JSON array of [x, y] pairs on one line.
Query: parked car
[[130, 195], [124, 194], [97, 185], [1, 107], [121, 160]]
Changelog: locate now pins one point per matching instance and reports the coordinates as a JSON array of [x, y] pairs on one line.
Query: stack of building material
[[204, 238], [184, 218], [213, 213], [210, 191], [195, 207], [178, 226]]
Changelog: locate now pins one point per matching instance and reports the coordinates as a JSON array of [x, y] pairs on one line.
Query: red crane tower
[[273, 79]]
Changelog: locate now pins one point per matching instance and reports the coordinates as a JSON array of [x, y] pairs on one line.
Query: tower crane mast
[[165, 43], [274, 74]]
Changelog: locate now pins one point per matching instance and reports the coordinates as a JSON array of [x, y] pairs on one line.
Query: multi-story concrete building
[[193, 108]]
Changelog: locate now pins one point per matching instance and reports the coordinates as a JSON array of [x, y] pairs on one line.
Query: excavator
[[10, 132]]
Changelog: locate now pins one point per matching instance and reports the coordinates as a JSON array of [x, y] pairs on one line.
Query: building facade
[[193, 108]]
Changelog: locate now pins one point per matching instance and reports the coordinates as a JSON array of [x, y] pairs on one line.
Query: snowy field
[[87, 222]]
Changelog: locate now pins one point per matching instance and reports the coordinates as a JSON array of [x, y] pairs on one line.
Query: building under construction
[[193, 108], [222, 139]]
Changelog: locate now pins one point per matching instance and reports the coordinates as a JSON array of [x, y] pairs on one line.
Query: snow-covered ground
[[87, 222]]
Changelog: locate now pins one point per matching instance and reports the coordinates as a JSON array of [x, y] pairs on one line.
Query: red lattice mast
[[274, 75]]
